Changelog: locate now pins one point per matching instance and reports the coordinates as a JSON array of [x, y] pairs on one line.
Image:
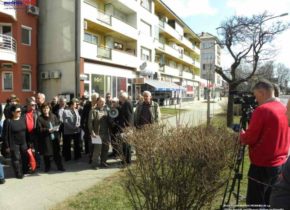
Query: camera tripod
[[238, 168]]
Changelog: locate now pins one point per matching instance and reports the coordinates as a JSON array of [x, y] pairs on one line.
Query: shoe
[[19, 176], [2, 181], [46, 170], [61, 169]]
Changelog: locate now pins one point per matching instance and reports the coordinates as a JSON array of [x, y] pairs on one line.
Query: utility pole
[[208, 95]]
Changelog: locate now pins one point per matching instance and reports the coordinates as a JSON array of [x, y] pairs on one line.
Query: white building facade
[[102, 46], [209, 60]]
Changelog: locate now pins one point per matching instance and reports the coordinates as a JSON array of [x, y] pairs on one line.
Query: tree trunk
[[230, 111]]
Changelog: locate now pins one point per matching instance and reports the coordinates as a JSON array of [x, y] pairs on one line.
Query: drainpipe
[[77, 46]]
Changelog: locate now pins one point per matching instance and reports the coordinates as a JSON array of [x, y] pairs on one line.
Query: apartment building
[[18, 49], [88, 46], [210, 58]]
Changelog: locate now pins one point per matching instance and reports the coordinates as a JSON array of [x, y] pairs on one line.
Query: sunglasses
[[18, 111]]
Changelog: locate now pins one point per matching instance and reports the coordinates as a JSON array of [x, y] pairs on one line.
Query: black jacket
[[45, 137], [126, 114]]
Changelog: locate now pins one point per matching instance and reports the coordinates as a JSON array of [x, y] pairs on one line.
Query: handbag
[[1, 172], [31, 160]]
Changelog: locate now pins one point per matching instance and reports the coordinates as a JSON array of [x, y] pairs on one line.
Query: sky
[[207, 15]]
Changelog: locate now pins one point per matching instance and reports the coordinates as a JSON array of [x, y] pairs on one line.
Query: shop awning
[[164, 86]]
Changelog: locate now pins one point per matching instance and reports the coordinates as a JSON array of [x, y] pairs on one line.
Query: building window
[[145, 54], [91, 38], [26, 35], [7, 81], [145, 28], [26, 77], [146, 4], [26, 81]]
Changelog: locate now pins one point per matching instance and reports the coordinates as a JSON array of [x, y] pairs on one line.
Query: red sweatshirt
[[267, 135]]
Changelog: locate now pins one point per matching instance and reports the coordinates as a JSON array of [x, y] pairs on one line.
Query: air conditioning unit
[[31, 9], [55, 75], [44, 75]]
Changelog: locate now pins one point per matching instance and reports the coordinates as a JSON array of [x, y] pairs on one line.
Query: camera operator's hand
[[241, 133]]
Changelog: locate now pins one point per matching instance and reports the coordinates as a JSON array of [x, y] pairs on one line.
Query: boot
[[46, 164], [17, 169]]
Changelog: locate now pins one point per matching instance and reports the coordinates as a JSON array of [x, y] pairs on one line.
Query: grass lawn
[[109, 194], [169, 112], [219, 120]]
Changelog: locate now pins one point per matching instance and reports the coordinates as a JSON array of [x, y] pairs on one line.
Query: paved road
[[196, 114], [284, 98], [42, 191]]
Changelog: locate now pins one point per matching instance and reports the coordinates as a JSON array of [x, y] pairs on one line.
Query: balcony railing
[[92, 13], [8, 48], [104, 53], [7, 43], [104, 17]]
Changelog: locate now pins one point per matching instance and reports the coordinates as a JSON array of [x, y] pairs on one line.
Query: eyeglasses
[[17, 111]]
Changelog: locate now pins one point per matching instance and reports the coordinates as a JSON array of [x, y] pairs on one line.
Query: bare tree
[[247, 39], [283, 76], [266, 71]]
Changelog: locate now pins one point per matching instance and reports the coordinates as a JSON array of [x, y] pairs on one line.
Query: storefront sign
[[138, 81]]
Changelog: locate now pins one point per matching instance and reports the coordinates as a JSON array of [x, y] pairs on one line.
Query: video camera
[[247, 101]]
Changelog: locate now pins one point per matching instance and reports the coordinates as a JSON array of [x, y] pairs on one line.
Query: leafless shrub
[[180, 168]]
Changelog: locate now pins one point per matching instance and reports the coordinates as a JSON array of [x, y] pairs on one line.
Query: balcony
[[118, 57], [187, 59], [130, 4], [171, 31], [7, 9], [173, 52], [196, 64], [110, 22], [124, 58], [187, 75], [7, 48], [196, 49], [170, 71]]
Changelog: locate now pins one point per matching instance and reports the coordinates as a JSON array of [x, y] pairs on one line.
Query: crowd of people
[[102, 120], [87, 127]]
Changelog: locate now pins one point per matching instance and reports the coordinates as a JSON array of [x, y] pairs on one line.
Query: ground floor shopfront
[[102, 78]]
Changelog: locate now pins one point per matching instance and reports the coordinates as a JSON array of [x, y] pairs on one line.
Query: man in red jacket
[[267, 137], [280, 195]]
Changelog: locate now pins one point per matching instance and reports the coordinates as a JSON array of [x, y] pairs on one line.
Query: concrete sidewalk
[[41, 191]]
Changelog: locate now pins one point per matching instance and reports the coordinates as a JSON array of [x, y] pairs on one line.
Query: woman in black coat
[[15, 140], [47, 125]]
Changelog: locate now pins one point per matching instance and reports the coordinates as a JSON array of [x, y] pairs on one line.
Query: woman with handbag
[[98, 125], [15, 141], [47, 126]]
